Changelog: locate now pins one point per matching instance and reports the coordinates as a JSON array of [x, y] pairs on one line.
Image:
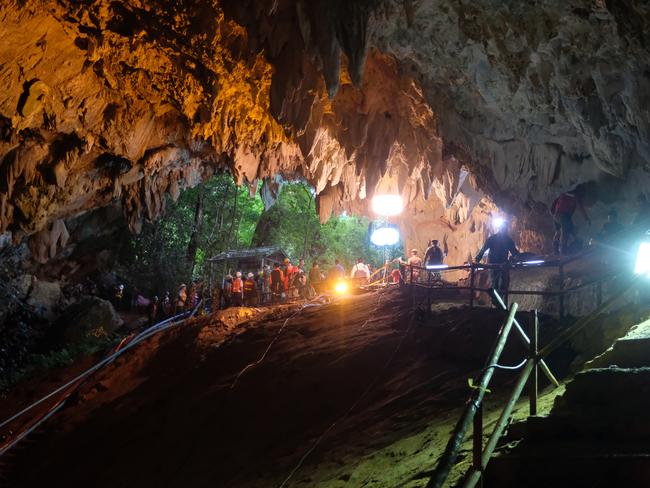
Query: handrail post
[[477, 440], [471, 285], [561, 273], [449, 456], [533, 381]]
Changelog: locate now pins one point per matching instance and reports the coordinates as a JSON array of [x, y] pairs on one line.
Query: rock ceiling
[[107, 101]]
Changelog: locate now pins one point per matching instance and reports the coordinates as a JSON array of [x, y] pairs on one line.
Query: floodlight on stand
[[385, 236], [387, 205], [642, 264]]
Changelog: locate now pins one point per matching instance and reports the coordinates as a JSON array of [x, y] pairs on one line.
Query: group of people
[[185, 299], [274, 284]]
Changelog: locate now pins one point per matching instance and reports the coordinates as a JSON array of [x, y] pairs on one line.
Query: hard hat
[[238, 274], [286, 260], [250, 275]]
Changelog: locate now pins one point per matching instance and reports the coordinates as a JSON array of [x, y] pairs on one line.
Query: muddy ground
[[367, 388]]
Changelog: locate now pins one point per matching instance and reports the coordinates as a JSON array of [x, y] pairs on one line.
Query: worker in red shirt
[[563, 209]]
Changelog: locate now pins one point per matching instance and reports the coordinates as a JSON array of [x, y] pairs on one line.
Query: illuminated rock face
[[108, 101]]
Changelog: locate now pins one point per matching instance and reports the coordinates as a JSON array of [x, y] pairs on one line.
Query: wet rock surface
[[458, 103]]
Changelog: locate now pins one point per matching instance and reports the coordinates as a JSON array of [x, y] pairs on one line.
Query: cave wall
[[125, 101]]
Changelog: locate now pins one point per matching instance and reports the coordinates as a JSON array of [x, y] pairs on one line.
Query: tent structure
[[244, 260]]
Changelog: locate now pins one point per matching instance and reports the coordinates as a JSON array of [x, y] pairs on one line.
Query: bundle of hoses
[[73, 385]]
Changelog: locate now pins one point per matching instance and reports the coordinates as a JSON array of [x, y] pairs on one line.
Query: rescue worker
[[415, 263], [153, 311], [434, 256], [612, 228], [250, 291], [360, 271], [339, 266], [119, 296], [227, 291], [500, 246], [237, 290], [315, 278], [181, 299], [277, 283], [562, 210], [289, 271], [167, 306]]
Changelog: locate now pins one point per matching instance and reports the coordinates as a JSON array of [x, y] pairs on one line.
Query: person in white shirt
[[360, 270]]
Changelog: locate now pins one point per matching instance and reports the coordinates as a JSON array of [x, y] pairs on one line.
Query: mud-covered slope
[[167, 414]]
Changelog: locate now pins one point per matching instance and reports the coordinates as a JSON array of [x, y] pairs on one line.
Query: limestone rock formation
[[459, 106]]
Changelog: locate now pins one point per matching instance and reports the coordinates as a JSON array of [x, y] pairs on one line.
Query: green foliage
[[233, 219], [39, 363]]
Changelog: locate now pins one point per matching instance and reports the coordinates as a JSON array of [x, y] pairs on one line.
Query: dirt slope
[[166, 415]]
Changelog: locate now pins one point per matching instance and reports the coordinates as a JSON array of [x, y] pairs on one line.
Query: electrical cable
[[275, 338], [72, 385], [352, 407]]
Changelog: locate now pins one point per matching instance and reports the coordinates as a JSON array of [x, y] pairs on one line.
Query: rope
[[275, 338], [352, 407]]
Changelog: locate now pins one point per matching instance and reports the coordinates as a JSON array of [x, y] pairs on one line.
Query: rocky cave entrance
[[140, 139]]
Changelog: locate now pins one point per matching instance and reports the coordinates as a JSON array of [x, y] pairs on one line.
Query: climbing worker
[[250, 291], [315, 278], [562, 210], [237, 290], [360, 271], [227, 291], [499, 246], [277, 283]]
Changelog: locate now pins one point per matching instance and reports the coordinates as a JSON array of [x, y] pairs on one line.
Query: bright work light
[[498, 223], [341, 287], [385, 236], [387, 205], [437, 266], [642, 265]]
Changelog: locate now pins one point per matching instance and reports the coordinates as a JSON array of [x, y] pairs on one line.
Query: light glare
[[437, 266], [498, 223], [536, 261], [385, 236], [387, 205], [642, 265], [341, 287]]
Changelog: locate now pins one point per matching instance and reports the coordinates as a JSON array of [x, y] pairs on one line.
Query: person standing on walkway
[[499, 247]]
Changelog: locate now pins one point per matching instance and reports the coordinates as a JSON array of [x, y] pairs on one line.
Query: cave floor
[[379, 387]]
